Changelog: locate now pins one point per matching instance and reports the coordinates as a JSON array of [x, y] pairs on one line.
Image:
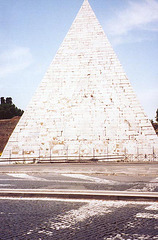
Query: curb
[[87, 195]]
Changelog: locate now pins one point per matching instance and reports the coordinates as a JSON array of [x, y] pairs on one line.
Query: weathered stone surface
[[85, 102]]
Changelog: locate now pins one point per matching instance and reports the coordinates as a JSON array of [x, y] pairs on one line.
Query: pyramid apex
[[85, 1]]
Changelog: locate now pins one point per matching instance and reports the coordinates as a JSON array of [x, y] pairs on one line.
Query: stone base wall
[[23, 159]]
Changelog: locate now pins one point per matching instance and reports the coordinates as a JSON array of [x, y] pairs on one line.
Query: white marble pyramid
[[85, 102]]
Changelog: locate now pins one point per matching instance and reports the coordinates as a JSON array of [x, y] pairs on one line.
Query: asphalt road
[[22, 218], [77, 220], [78, 182], [107, 168]]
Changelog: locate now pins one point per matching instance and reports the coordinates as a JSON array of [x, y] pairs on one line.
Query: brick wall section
[[85, 102]]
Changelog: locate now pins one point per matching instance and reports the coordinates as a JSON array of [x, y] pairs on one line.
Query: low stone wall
[[81, 159]]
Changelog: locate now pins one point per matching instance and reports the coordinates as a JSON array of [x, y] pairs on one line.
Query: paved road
[[53, 219], [74, 220], [78, 182], [107, 168]]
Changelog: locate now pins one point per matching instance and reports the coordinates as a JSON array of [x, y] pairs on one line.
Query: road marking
[[93, 208], [156, 179], [25, 176], [153, 207], [5, 185], [147, 215], [127, 236], [149, 187], [74, 216], [43, 179], [46, 199], [92, 179]]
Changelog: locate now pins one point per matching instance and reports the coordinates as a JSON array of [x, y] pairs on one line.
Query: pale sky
[[31, 32]]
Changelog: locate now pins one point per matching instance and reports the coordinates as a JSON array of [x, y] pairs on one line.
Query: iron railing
[[78, 158]]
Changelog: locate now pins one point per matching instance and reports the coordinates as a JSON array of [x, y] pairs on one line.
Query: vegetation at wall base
[[155, 124], [156, 118]]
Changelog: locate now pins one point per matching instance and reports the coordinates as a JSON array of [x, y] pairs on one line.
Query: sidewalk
[[106, 168]]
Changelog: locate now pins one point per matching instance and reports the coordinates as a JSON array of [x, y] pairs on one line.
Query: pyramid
[[84, 104]]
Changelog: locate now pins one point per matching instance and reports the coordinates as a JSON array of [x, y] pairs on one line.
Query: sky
[[31, 31]]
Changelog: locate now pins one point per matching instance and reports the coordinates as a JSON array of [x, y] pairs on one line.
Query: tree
[[2, 100], [9, 100], [156, 115], [8, 109]]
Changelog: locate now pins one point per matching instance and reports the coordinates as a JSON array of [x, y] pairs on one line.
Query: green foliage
[[8, 109], [156, 115]]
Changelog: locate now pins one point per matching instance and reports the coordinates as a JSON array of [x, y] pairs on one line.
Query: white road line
[[5, 185], [72, 217], [45, 199], [92, 179], [25, 176], [147, 215], [93, 208], [48, 180], [156, 179], [153, 207], [149, 187]]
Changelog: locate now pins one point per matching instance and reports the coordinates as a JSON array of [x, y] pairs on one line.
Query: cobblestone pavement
[[78, 182], [72, 220]]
